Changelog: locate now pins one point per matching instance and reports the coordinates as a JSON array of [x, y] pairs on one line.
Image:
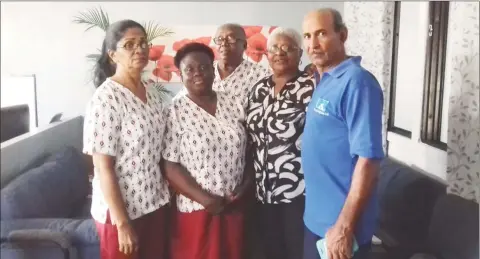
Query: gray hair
[[287, 32], [338, 23]]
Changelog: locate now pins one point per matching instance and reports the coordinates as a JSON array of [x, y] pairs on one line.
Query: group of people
[[246, 159]]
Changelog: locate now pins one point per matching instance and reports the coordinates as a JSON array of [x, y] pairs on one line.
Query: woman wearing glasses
[[234, 75], [204, 162], [275, 121], [123, 132]]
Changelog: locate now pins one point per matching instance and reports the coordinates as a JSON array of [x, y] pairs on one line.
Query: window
[[399, 118], [418, 57], [404, 73], [434, 78]]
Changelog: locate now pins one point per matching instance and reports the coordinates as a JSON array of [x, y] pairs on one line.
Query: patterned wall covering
[[370, 32], [370, 35], [463, 165]]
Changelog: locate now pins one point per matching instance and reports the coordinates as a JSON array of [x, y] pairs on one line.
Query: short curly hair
[[192, 47]]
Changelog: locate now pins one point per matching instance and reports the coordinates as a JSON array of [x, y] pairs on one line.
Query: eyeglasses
[[228, 39], [285, 48], [130, 46]]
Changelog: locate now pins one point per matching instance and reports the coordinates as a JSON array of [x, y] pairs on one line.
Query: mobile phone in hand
[[322, 248]]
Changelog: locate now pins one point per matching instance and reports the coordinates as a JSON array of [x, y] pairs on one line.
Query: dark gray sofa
[[46, 210], [418, 219]]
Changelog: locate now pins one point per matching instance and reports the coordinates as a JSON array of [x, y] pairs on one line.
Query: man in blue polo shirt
[[341, 144]]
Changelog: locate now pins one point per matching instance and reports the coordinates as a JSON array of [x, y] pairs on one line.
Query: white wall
[[409, 93], [20, 90], [40, 38]]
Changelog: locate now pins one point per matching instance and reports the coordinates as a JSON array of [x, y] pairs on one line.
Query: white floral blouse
[[211, 148], [119, 124]]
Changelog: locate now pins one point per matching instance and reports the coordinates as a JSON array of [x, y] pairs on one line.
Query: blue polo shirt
[[343, 122]]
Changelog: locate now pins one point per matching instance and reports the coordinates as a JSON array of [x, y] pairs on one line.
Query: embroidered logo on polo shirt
[[321, 107]]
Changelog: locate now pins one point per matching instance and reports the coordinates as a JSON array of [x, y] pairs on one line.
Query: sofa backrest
[[406, 201], [20, 153], [453, 232], [52, 190]]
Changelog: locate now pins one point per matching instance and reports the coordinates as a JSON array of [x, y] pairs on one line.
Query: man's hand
[[339, 242]]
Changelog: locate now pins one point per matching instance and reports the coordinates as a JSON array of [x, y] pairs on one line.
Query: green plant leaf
[[154, 31], [93, 57], [94, 17], [163, 91]]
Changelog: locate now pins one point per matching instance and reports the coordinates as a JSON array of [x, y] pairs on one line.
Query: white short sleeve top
[[119, 124], [211, 148]]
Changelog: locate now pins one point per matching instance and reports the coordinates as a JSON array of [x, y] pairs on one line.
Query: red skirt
[[151, 231], [200, 235]]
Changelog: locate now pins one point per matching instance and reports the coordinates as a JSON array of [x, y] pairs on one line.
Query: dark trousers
[[310, 247], [279, 230]]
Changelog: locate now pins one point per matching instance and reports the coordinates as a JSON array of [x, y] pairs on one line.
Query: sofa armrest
[[29, 236]]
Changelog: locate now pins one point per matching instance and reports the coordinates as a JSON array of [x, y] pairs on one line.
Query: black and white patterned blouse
[[211, 148], [275, 125]]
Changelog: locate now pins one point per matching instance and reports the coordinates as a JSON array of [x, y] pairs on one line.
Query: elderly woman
[[275, 120], [123, 132], [204, 162], [234, 75]]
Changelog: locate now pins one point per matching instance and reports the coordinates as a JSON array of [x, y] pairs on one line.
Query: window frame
[[393, 77], [434, 75]]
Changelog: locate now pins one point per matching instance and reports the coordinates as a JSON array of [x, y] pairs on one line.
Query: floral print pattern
[[162, 69], [463, 153], [165, 68], [256, 47]]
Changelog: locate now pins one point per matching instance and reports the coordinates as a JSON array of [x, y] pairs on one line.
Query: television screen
[[15, 121]]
